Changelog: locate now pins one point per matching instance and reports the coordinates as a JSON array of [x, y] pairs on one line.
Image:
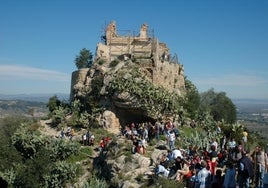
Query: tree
[[53, 103], [45, 159], [219, 105], [192, 98], [9, 154], [84, 59]]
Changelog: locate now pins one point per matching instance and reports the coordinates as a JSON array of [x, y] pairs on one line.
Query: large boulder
[[110, 122]]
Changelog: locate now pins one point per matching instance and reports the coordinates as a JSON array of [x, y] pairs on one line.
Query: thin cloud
[[232, 80], [24, 72]]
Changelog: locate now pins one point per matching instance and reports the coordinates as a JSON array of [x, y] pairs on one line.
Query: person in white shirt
[[162, 170], [176, 153], [214, 143], [232, 144], [171, 139]]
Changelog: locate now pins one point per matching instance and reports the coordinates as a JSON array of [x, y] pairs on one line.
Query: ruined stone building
[[152, 55], [145, 50]]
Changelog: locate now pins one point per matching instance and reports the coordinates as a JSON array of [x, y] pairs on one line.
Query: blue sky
[[222, 44]]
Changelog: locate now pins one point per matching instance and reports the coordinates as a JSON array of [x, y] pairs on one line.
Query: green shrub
[[128, 157], [96, 183], [114, 63], [101, 61]]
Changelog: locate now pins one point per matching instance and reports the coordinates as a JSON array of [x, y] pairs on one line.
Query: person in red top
[[107, 140], [169, 125], [213, 155], [102, 144], [209, 164], [205, 152]]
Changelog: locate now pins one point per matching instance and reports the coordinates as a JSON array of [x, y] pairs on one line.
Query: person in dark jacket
[[245, 171]]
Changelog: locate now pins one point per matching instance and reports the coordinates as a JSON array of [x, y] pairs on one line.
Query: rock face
[[116, 165], [119, 51], [123, 169]]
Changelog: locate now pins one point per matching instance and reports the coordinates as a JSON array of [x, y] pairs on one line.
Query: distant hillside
[[35, 97], [250, 101], [22, 108], [27, 104], [251, 105], [253, 114]]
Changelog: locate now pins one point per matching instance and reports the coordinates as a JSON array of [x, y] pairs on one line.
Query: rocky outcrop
[[110, 122], [146, 54], [117, 166]]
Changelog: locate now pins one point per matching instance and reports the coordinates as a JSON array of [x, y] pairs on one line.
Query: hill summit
[[131, 75]]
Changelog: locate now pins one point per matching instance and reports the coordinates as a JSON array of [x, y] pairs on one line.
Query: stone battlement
[[135, 46]]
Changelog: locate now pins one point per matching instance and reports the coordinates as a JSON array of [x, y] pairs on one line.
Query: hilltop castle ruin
[[152, 56], [141, 46], [161, 68]]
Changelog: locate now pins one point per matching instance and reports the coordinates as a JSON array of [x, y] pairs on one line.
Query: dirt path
[[47, 130]]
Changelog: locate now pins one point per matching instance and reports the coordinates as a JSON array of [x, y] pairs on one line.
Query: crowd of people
[[69, 133], [88, 139], [224, 165]]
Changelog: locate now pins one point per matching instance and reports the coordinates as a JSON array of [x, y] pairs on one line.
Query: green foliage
[[154, 100], [128, 158], [192, 99], [205, 120], [27, 142], [60, 174], [100, 133], [233, 130], [79, 118], [58, 115], [31, 172], [219, 105], [196, 138], [84, 59], [42, 172], [101, 61], [53, 103], [44, 163], [83, 154], [60, 149], [96, 86], [58, 110], [9, 174], [82, 113], [9, 154], [163, 182], [114, 63], [76, 106], [96, 183]]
